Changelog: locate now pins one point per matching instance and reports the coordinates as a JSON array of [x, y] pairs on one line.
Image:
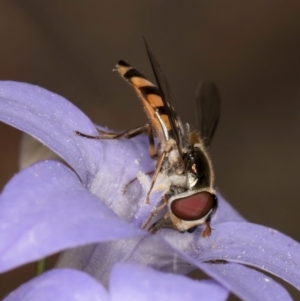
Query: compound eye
[[193, 207]]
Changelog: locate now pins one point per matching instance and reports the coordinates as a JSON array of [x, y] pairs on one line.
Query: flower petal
[[128, 282], [99, 259], [120, 163], [164, 257], [153, 251], [122, 160], [249, 284], [60, 285], [249, 244], [45, 209], [52, 120]]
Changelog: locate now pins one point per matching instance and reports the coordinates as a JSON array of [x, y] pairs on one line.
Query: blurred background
[[249, 48]]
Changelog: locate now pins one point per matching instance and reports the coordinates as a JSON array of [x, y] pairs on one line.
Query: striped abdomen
[[151, 99]]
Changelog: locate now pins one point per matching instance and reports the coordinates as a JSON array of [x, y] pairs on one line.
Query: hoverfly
[[181, 153]]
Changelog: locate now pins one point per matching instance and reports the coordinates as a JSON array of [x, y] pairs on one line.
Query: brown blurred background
[[250, 49]]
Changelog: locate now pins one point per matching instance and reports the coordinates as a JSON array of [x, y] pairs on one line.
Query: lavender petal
[[163, 256], [153, 251], [99, 259], [248, 284], [128, 282], [45, 209], [52, 120], [249, 244], [60, 285]]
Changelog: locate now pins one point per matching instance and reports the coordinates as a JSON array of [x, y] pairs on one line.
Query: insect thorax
[[192, 172]]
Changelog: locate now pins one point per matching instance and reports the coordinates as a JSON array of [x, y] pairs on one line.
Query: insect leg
[[157, 171], [158, 168], [131, 181], [127, 135], [154, 212], [207, 231], [161, 223]]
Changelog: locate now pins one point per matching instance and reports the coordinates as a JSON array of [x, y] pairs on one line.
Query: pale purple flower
[[49, 207]]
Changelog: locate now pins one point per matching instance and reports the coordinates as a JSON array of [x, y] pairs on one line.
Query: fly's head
[[197, 203], [192, 209], [192, 200]]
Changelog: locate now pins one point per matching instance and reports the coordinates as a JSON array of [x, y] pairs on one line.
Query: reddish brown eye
[[193, 207]]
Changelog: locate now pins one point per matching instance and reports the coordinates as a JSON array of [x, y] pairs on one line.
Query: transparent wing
[[208, 104], [165, 90]]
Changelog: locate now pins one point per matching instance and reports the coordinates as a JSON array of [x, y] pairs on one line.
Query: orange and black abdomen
[[151, 99]]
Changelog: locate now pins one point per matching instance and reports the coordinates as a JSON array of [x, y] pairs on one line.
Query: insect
[[181, 153]]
